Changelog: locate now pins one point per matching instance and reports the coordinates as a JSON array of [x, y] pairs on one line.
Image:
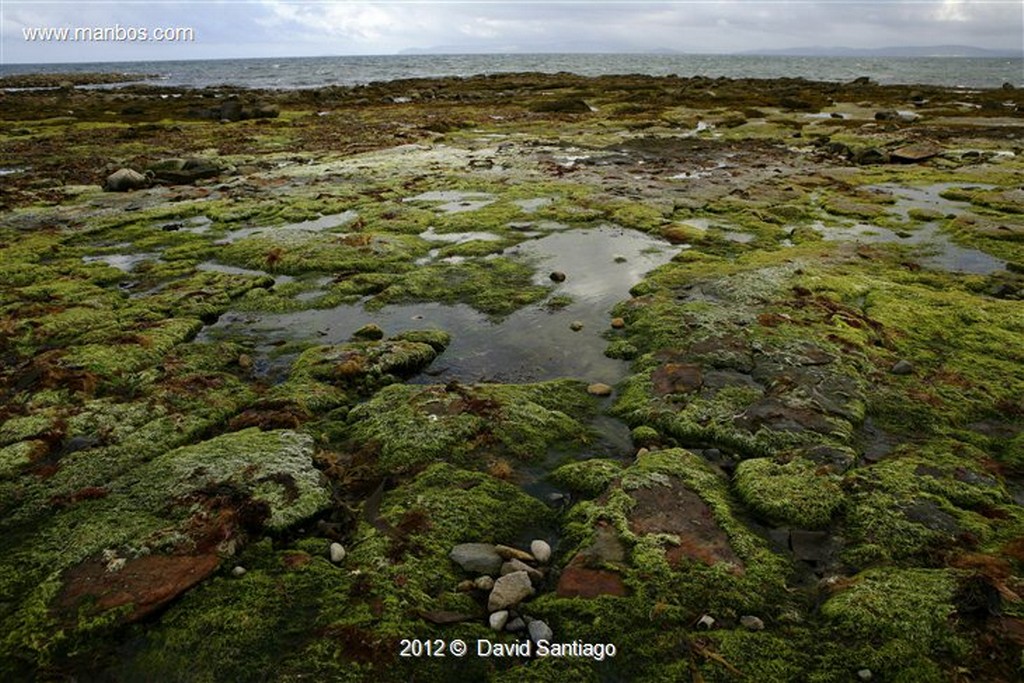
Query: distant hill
[[917, 51]]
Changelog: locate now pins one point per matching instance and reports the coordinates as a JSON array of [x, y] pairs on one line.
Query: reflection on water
[[936, 249], [532, 344]]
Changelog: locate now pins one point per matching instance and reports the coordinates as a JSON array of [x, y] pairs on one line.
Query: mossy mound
[[403, 427], [900, 619], [364, 365], [791, 493]]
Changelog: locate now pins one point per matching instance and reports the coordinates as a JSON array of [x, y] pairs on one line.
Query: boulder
[[125, 180], [915, 151], [184, 171]]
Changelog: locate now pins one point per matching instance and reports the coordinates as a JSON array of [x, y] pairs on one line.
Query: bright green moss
[[792, 493]]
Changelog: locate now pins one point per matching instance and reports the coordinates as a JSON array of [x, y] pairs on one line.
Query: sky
[[293, 28]]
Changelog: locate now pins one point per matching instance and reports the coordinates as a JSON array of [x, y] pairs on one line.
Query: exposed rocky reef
[[289, 377]]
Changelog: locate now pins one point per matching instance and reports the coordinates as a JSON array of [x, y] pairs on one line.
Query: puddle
[[315, 225], [530, 345], [458, 237], [125, 262], [937, 250], [454, 201], [215, 267]]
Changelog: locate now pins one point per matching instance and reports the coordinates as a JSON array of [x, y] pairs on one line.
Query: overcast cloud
[[281, 28]]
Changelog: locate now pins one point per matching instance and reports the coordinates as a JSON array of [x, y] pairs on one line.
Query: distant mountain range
[[816, 51]]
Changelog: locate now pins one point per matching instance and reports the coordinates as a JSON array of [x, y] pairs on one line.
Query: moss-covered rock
[[792, 493], [407, 427]]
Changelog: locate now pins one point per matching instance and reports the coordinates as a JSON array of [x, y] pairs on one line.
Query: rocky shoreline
[[264, 417]]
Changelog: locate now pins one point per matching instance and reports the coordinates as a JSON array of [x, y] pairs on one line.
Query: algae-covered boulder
[[123, 550], [404, 427], [273, 468], [366, 364], [792, 493]]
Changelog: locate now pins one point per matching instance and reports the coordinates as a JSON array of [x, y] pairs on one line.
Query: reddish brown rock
[[579, 581], [146, 583], [677, 378], [915, 151], [674, 509]]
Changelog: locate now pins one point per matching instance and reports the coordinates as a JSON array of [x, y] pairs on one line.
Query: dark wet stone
[[902, 367], [871, 155], [476, 558], [567, 105], [720, 379], [557, 276], [772, 413], [928, 514], [810, 546], [515, 625], [839, 460]]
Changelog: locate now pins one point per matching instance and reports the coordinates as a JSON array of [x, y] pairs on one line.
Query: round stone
[[576, 326], [618, 323], [557, 276], [337, 552], [751, 623], [498, 619], [599, 389], [540, 550], [239, 570]]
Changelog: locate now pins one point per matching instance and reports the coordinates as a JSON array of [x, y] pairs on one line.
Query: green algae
[[408, 427], [589, 477], [805, 333], [790, 493], [903, 613]]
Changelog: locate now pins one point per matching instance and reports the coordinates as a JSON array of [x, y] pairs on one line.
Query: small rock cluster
[[508, 576]]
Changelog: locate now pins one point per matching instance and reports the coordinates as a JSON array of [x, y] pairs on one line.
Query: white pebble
[[498, 620], [337, 553], [540, 550], [239, 570]]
